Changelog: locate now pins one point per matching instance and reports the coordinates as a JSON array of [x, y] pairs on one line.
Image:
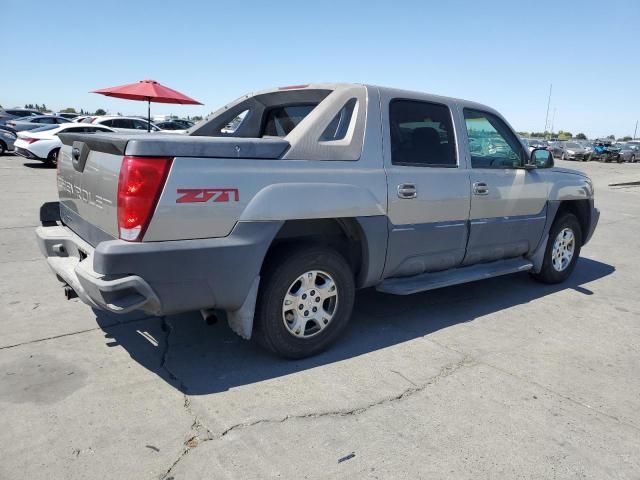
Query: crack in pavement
[[539, 385], [444, 372], [198, 432]]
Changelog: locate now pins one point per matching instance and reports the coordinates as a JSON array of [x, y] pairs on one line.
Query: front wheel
[[3, 148], [305, 300], [563, 157], [633, 159], [563, 250]]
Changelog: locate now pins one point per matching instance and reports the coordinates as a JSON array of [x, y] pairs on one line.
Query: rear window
[[280, 121]]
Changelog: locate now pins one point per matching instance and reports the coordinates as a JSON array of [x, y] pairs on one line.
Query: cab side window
[[421, 134], [491, 142]]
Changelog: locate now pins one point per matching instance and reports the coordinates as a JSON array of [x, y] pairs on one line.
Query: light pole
[[546, 119], [636, 130], [553, 120]]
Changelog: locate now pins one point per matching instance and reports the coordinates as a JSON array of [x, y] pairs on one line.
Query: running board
[[431, 281]]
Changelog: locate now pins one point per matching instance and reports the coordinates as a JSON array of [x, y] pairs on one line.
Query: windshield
[[572, 145]]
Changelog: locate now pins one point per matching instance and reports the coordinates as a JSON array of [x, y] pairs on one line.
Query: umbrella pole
[[148, 114]]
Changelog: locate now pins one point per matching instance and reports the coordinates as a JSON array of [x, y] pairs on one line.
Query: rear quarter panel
[[266, 190]]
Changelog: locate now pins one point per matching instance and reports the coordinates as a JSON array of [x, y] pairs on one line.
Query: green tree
[[69, 110], [564, 135], [197, 118], [581, 136], [626, 138], [611, 137], [100, 112]]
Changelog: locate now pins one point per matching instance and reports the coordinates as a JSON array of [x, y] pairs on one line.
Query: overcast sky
[[501, 53]]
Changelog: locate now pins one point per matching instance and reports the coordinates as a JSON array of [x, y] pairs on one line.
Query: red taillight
[[30, 140], [139, 187]]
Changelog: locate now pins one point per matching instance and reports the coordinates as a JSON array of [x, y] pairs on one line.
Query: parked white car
[[43, 143], [124, 124]]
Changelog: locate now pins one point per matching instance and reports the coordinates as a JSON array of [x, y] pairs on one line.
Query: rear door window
[[421, 134], [122, 123], [280, 121]]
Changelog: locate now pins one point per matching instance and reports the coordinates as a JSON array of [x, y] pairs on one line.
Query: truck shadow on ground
[[200, 359], [39, 165]]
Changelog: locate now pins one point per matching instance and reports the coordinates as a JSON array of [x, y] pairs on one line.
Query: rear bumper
[[159, 278], [71, 259], [23, 152]]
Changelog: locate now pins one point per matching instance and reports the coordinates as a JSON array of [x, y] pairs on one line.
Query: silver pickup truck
[[278, 206]]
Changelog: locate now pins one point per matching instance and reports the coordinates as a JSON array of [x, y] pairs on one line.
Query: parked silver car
[[630, 152], [569, 151], [6, 140], [30, 123], [16, 114]]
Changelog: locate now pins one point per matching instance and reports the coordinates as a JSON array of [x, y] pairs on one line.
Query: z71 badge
[[201, 195]]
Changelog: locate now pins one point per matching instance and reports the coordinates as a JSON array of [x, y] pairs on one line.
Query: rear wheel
[[563, 157], [52, 158], [563, 250], [3, 147], [305, 301], [633, 159]]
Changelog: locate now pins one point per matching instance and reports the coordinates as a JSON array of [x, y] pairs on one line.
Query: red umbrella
[[149, 91]]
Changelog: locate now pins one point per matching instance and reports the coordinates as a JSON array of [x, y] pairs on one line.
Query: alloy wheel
[[310, 304], [563, 249]]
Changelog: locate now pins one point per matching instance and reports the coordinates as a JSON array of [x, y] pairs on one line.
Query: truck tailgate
[[89, 169]]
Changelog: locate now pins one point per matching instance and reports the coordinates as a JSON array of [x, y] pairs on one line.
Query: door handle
[[407, 190], [480, 188]]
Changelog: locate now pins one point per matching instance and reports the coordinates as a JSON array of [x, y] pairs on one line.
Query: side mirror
[[541, 158]]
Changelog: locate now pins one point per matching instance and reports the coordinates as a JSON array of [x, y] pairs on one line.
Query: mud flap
[[241, 320]]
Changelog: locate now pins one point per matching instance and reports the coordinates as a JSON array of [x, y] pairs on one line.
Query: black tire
[[548, 273], [633, 159], [52, 158], [280, 272], [563, 157], [3, 147]]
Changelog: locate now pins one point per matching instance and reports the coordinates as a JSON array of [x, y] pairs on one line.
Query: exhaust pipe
[[69, 292], [209, 316]]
